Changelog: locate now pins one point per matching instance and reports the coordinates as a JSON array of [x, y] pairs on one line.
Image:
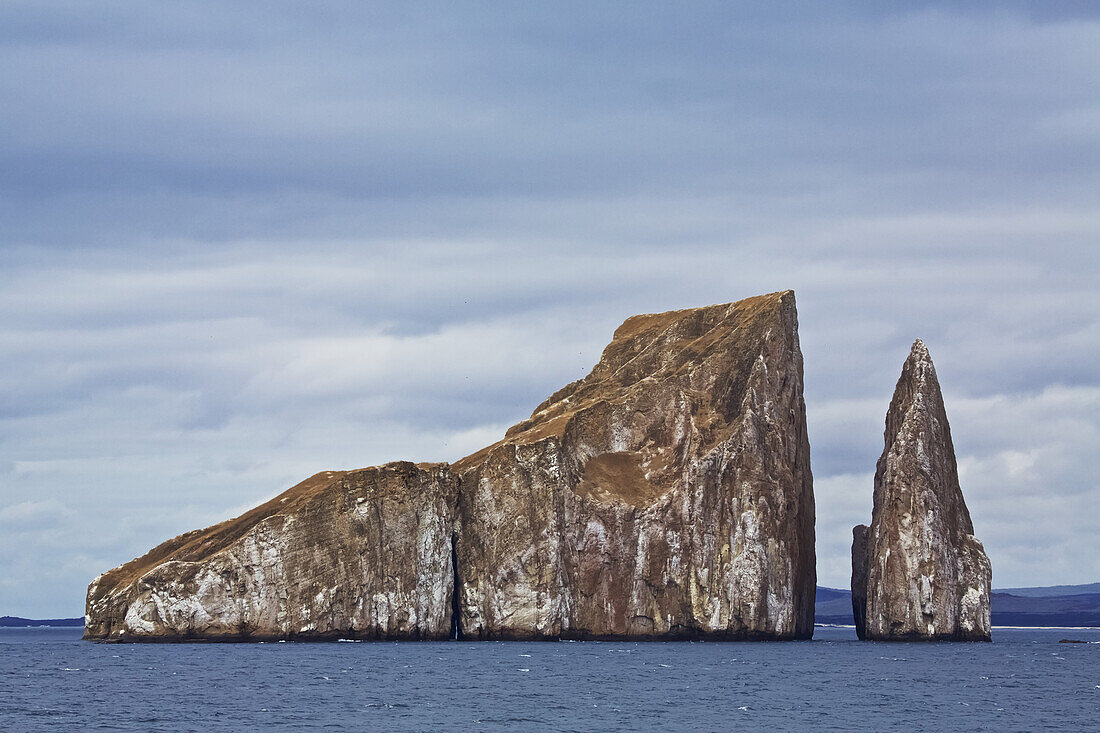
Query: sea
[[1024, 681]]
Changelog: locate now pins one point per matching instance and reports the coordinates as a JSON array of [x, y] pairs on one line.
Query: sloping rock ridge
[[668, 494], [918, 571], [358, 554]]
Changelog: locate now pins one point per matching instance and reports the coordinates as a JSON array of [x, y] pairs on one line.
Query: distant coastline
[[1058, 606], [20, 623]]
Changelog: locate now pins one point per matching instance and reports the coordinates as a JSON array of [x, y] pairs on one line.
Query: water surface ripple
[[1025, 680]]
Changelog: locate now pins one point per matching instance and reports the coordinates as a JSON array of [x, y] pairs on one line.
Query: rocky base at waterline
[[918, 571], [667, 495]]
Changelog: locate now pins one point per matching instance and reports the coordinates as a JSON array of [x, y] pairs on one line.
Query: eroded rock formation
[[667, 494], [918, 569], [358, 554]]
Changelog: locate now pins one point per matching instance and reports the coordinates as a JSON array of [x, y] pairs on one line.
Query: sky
[[244, 242]]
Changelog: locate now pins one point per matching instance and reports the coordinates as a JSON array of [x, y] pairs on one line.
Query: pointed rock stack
[[918, 571]]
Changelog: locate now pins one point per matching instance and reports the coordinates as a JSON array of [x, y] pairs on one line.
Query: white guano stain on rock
[[365, 553]]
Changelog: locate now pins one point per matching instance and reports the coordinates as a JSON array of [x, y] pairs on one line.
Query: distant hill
[[1058, 605], [833, 604], [1052, 590], [9, 621]]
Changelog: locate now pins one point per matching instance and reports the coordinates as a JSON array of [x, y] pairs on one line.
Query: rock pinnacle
[[918, 571]]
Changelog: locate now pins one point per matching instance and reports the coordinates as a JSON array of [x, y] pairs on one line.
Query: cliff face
[[358, 554], [926, 575], [667, 494]]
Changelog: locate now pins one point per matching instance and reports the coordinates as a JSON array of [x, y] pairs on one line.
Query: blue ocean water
[[1024, 680]]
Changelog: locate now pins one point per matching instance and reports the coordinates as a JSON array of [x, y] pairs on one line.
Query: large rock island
[[667, 494], [918, 571]]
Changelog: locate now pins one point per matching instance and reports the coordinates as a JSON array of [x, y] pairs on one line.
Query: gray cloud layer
[[244, 244]]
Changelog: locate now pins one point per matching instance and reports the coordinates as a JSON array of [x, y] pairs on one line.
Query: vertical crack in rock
[[456, 592], [859, 579], [918, 571], [668, 494]]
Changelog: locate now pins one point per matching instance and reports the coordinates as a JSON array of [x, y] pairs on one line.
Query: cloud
[[32, 514], [242, 244], [400, 122]]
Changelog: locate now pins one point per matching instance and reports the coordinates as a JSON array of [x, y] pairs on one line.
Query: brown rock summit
[[667, 494], [918, 572]]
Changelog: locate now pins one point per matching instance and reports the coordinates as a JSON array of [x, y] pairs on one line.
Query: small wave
[[48, 712]]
